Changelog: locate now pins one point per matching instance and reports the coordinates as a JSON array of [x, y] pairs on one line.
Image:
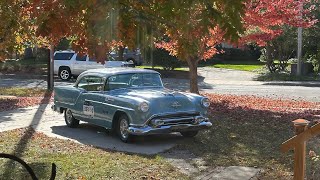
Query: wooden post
[[300, 125]]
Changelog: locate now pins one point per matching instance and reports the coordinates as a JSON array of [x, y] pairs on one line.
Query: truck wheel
[[123, 128], [70, 120], [189, 133], [64, 73]]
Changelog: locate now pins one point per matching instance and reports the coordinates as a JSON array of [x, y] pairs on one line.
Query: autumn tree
[[15, 29], [194, 28], [266, 20], [190, 25]]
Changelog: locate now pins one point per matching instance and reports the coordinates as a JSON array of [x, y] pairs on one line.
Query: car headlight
[[144, 107], [205, 102]]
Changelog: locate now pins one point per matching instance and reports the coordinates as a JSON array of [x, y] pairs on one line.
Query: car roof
[[106, 72], [64, 51]]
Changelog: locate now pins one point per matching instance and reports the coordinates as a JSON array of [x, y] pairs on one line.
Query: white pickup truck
[[69, 63]]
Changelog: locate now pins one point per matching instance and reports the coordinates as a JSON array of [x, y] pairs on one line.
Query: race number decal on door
[[88, 110]]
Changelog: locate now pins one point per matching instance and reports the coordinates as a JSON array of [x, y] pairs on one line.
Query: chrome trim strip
[[166, 129], [177, 119], [168, 114], [129, 109], [72, 104]]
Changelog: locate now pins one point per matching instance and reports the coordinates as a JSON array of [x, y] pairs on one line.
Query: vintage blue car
[[131, 102]]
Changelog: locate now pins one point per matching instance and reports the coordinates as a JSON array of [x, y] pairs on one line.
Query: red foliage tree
[[262, 22], [263, 19]]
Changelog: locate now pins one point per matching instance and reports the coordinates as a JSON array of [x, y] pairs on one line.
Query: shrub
[[250, 53], [315, 60], [165, 60]]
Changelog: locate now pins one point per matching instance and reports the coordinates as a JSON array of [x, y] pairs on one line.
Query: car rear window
[[63, 56]]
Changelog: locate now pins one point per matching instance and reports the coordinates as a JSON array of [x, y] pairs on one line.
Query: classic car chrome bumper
[[167, 129]]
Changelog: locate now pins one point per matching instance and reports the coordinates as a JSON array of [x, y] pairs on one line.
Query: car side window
[[117, 82], [63, 56], [81, 57], [91, 83]]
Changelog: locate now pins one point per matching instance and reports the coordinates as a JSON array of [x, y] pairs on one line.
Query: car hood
[[163, 100]]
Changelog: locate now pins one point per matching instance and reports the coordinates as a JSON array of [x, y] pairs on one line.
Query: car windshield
[[133, 80]]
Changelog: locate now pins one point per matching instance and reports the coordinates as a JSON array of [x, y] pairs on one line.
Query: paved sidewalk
[[43, 119]]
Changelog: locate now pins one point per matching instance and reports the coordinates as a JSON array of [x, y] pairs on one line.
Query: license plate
[[88, 110]]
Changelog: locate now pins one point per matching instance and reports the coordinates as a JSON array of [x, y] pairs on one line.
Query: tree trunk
[[193, 75], [50, 80], [269, 59]]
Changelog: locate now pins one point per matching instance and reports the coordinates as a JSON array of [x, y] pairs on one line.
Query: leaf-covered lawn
[[248, 131], [76, 161], [13, 98]]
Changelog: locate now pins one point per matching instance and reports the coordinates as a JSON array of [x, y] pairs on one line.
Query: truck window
[[63, 56], [81, 57]]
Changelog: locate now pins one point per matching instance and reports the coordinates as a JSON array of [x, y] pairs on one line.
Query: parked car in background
[[131, 102], [130, 56], [69, 63]]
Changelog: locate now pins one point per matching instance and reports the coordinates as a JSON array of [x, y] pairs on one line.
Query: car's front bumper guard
[[167, 129]]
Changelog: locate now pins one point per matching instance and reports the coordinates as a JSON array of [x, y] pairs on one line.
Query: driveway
[[51, 123]]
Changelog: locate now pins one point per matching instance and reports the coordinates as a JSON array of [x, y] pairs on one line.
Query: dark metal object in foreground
[[28, 168]]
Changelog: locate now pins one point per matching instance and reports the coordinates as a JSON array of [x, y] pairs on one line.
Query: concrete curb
[[293, 83]]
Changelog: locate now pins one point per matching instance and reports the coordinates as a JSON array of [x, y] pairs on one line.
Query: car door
[[94, 110], [79, 64]]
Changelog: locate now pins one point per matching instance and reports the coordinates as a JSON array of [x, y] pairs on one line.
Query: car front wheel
[[123, 129], [189, 133], [70, 120]]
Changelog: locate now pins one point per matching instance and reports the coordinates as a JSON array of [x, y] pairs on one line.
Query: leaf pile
[[10, 103], [254, 107]]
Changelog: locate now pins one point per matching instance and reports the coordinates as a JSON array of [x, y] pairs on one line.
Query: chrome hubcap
[[64, 74], [69, 116], [124, 126]]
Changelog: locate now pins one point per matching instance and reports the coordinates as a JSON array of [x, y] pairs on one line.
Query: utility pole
[[299, 63]]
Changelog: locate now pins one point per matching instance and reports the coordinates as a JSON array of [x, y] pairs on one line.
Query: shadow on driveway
[[89, 134]]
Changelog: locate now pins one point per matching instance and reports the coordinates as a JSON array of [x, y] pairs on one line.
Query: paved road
[[214, 80]]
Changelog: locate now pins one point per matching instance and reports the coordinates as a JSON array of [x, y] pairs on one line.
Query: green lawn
[[242, 66], [22, 92], [76, 161]]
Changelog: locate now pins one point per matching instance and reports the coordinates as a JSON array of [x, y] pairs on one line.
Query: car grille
[[177, 119]]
